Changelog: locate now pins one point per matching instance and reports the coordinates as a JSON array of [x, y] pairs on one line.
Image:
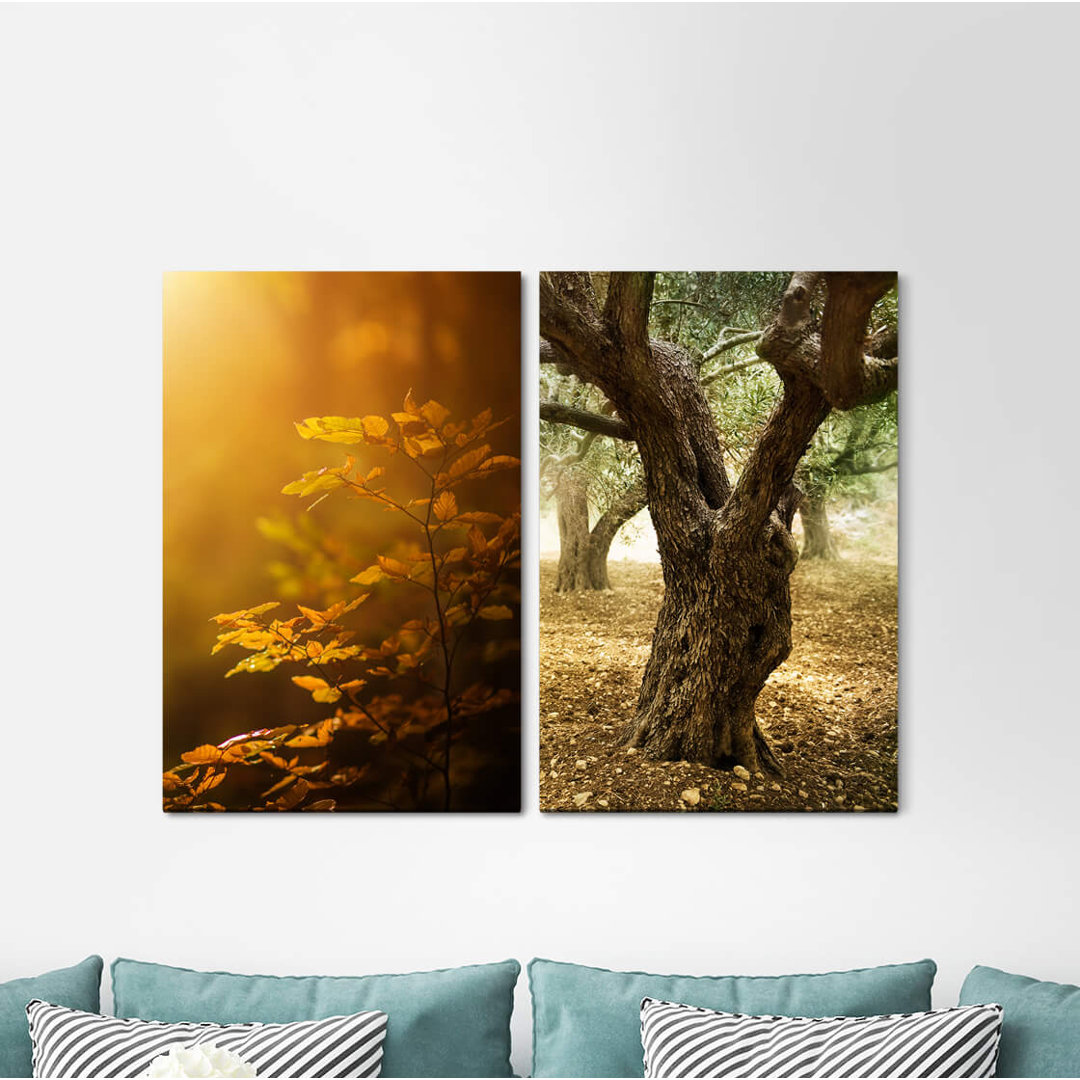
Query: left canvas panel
[[342, 499]]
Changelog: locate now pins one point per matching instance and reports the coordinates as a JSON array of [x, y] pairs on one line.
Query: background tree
[[590, 479], [726, 547], [848, 455]]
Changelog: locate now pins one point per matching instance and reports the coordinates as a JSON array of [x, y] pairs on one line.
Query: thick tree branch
[[626, 310], [836, 361], [622, 509], [570, 321], [771, 466], [846, 376], [555, 354], [584, 420]]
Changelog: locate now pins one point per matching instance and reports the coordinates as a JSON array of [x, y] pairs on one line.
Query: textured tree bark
[[604, 531], [818, 540], [572, 511], [727, 553]]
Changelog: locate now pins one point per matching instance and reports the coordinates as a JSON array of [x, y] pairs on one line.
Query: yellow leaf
[[500, 461], [477, 540], [322, 735], [392, 567], [210, 782], [279, 786], [495, 612], [467, 462], [445, 506], [232, 616], [202, 755], [479, 517], [316, 618], [320, 689], [423, 445], [315, 480], [434, 413], [335, 429], [409, 405], [375, 426], [368, 576]]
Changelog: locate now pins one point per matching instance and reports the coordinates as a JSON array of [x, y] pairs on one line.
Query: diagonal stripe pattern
[[684, 1040], [68, 1043]]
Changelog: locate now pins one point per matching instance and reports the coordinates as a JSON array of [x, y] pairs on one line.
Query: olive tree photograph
[[718, 538]]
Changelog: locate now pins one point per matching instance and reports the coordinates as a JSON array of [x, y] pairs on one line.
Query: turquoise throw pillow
[[454, 1022], [586, 1021], [1040, 1034], [78, 987]]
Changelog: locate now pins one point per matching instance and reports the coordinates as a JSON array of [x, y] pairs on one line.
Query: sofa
[[586, 1020]]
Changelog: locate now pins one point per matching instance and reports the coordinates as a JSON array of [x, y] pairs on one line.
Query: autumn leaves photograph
[[718, 542], [342, 542]]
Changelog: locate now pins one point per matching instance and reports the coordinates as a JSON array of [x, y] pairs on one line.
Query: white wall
[[936, 139]]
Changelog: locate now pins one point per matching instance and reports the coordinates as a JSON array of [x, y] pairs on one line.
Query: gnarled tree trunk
[[818, 540], [572, 509], [724, 626]]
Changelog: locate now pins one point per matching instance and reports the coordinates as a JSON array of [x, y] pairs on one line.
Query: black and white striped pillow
[[71, 1043], [682, 1040]]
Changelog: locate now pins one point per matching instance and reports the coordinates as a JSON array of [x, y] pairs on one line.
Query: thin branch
[[723, 343], [729, 368], [555, 413]]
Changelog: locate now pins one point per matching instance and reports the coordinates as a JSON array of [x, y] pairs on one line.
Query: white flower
[[203, 1059]]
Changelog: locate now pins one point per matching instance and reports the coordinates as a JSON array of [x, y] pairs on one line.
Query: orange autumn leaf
[[445, 506]]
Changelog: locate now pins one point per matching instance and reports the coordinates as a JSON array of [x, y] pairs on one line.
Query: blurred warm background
[[246, 355]]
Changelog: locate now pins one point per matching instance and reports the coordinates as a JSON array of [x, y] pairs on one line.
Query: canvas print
[[718, 539], [341, 526]]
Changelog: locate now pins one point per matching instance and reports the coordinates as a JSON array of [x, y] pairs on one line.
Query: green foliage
[[399, 710], [851, 453], [692, 309]]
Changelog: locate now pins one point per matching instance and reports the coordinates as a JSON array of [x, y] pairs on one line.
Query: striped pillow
[[67, 1042], [683, 1040]]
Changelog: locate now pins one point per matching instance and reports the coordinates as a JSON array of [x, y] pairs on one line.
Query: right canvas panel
[[718, 541]]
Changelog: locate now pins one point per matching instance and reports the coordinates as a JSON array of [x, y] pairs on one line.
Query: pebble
[[741, 772], [739, 788], [581, 764], [762, 797], [691, 796], [803, 794], [775, 787], [631, 749], [618, 768], [582, 797], [602, 802]]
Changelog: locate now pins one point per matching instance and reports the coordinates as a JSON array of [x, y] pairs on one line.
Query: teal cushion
[[454, 1022], [1040, 1035], [586, 1021], [77, 987]]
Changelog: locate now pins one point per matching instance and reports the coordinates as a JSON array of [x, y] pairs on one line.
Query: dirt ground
[[830, 709]]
